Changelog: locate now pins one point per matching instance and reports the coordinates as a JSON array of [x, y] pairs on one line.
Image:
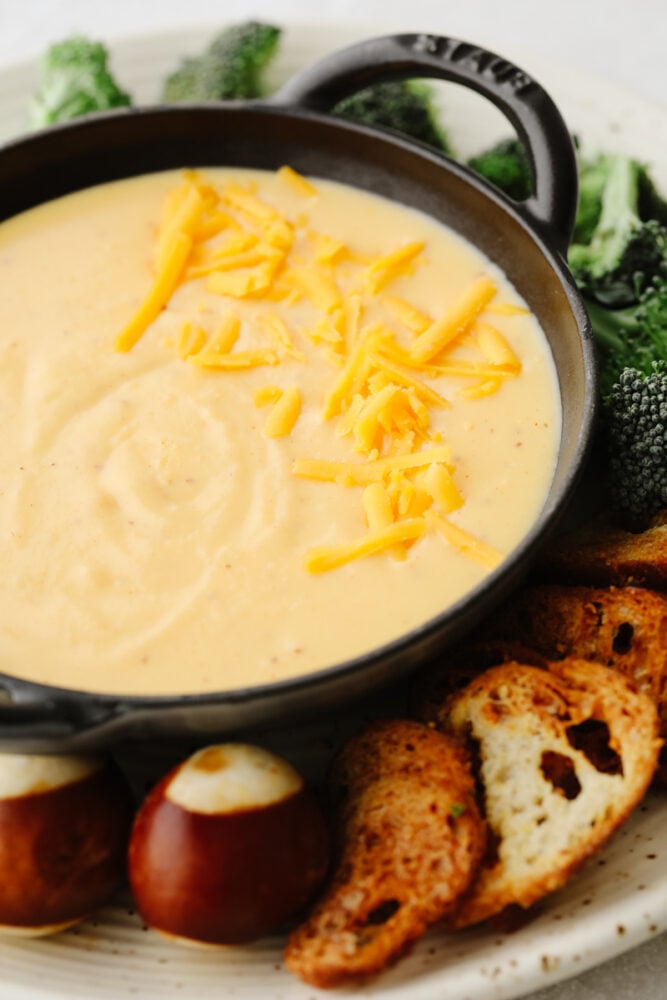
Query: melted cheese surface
[[170, 523]]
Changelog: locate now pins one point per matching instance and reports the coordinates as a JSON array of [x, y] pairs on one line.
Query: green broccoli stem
[[611, 326]]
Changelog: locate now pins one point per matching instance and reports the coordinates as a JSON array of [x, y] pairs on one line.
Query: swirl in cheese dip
[[160, 528]]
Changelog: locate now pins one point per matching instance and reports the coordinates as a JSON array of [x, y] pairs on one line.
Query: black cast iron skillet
[[528, 241]]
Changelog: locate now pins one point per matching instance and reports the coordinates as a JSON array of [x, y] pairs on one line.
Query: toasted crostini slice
[[457, 667], [409, 840], [602, 553], [621, 627], [563, 756]]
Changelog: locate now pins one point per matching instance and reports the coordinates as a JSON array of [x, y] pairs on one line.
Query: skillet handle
[[538, 122], [21, 725], [30, 723]]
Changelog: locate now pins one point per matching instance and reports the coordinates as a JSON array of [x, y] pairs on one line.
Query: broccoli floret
[[622, 268], [593, 176], [75, 80], [642, 259], [636, 412], [633, 337], [405, 106], [626, 252], [507, 166], [230, 68]]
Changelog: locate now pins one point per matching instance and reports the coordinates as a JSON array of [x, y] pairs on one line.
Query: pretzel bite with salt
[[64, 827], [227, 847]]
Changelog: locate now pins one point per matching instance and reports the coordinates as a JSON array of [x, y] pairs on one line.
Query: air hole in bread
[[475, 757], [492, 850], [383, 912], [560, 771], [592, 739], [623, 638]]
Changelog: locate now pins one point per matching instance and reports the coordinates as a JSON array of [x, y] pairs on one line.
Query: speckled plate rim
[[617, 902]]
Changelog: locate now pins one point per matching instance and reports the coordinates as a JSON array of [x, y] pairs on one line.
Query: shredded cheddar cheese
[[439, 483], [215, 223], [318, 287], [380, 514], [224, 339], [387, 354], [443, 331], [377, 506], [415, 320], [328, 557], [191, 340], [185, 219], [236, 196], [350, 319], [352, 377], [279, 331], [297, 182], [485, 387], [324, 330], [239, 284], [465, 542], [232, 362], [165, 284], [362, 473], [389, 266], [402, 375], [508, 309], [284, 414], [327, 249], [495, 348], [267, 394]]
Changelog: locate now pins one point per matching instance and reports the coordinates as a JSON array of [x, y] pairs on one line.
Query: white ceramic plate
[[617, 902]]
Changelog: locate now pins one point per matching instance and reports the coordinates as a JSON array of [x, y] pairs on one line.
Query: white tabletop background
[[624, 41]]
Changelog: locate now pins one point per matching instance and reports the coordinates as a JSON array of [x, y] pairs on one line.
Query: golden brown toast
[[457, 667], [624, 628], [603, 553], [563, 755], [409, 839]]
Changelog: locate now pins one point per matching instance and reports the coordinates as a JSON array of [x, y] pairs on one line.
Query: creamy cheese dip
[[152, 537]]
